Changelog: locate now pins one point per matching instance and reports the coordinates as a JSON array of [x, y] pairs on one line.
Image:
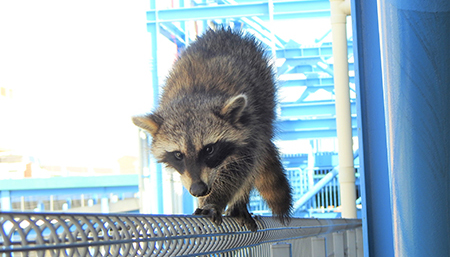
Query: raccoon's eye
[[178, 155], [209, 149]]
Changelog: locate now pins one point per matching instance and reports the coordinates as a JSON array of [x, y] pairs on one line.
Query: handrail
[[319, 185], [77, 234]]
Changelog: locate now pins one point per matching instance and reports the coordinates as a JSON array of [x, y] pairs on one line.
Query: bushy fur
[[214, 125]]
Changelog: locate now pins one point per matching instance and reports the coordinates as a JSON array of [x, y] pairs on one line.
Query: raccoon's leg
[[239, 211], [213, 204], [273, 185], [214, 211], [230, 186]]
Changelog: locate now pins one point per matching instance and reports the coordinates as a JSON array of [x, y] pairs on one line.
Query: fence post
[[350, 243], [6, 200], [281, 250], [338, 244], [359, 242], [318, 247], [104, 204]]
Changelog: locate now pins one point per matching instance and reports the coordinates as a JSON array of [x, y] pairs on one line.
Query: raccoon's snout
[[198, 189]]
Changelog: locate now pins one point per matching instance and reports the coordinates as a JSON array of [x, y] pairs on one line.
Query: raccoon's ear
[[232, 110], [149, 122]]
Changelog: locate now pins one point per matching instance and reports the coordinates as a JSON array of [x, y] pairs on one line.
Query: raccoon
[[214, 125]]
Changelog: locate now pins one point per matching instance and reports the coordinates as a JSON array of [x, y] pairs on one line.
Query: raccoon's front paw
[[211, 211], [249, 222], [244, 218]]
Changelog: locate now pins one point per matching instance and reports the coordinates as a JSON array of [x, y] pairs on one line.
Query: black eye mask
[[214, 154], [175, 160]]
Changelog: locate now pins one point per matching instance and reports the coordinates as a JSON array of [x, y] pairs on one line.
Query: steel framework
[[306, 69]]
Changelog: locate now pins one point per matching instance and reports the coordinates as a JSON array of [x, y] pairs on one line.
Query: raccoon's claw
[[249, 223], [211, 212], [244, 219], [256, 217]]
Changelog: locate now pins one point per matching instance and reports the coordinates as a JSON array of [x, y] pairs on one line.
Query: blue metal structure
[[11, 190], [415, 54], [299, 117], [403, 94], [376, 208], [70, 185], [154, 168], [279, 9]]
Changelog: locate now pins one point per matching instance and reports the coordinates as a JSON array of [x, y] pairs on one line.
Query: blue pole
[[415, 52], [188, 202], [155, 168], [376, 212]]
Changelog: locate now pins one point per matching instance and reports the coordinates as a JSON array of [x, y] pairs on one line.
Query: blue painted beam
[[173, 33], [319, 51], [305, 52], [260, 27], [308, 64], [309, 124], [294, 160], [154, 167], [70, 185], [188, 202], [311, 81], [376, 207], [302, 60], [311, 109], [318, 8], [75, 191], [313, 87], [306, 81], [68, 182], [415, 53], [310, 134], [282, 10]]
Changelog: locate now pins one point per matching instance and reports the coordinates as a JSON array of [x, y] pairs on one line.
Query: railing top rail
[[147, 235]]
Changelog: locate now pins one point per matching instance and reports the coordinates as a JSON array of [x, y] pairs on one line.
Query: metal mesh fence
[[66, 234]]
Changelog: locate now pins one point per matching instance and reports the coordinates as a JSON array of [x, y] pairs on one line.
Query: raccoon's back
[[226, 63], [225, 42]]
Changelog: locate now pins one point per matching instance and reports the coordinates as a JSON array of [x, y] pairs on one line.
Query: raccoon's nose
[[198, 189]]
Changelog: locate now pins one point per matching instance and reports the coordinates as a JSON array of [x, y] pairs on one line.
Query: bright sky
[[78, 70]]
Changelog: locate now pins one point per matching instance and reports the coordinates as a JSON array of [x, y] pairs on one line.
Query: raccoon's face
[[197, 137]]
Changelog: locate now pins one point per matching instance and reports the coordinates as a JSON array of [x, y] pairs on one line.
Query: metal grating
[[67, 234]]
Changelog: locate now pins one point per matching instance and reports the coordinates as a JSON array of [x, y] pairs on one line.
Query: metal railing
[[314, 192], [299, 181], [66, 234]]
